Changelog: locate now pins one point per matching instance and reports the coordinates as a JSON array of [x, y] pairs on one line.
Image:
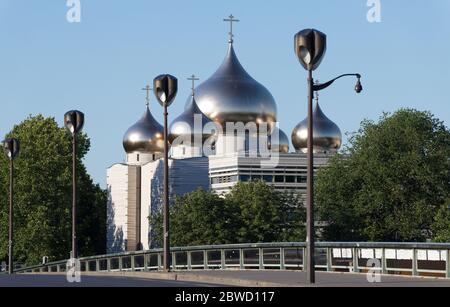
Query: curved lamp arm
[[319, 87]]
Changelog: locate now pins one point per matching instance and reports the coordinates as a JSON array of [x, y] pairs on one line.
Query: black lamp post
[[74, 122], [310, 47], [165, 88], [11, 147]]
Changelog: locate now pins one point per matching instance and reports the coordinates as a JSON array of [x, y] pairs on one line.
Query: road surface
[[25, 280], [217, 278]]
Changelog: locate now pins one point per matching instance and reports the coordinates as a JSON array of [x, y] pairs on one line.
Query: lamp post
[[310, 48], [74, 122], [165, 88], [11, 147]]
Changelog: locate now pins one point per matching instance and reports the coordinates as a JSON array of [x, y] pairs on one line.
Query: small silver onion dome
[[232, 95], [185, 129], [278, 141], [327, 136], [145, 136]]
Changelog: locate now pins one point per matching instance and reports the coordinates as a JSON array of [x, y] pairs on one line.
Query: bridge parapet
[[415, 259]]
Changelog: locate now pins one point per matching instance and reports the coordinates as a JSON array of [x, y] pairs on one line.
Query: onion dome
[[327, 136], [278, 141], [145, 136], [190, 126], [232, 95]]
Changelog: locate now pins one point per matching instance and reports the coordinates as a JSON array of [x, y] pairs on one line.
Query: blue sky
[[49, 66]]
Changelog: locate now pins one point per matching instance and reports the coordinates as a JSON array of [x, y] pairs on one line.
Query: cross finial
[[193, 78], [147, 88], [231, 19]]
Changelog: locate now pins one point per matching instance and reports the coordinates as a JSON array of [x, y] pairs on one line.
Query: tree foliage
[[389, 183], [43, 195], [441, 225], [252, 212]]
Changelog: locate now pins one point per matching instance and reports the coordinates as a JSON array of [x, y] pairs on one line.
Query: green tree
[[389, 183], [197, 218], [265, 215], [252, 212], [42, 196], [441, 225]]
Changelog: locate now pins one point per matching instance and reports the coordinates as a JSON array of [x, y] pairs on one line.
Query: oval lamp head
[[165, 88], [310, 48], [74, 121], [358, 86], [11, 147]]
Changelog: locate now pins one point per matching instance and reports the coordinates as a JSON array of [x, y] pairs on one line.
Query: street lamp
[[11, 147], [165, 88], [310, 48], [74, 122]]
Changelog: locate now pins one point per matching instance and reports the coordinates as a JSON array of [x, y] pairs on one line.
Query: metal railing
[[414, 259]]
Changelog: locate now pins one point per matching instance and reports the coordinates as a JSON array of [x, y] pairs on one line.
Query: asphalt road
[[216, 279], [91, 281], [323, 279]]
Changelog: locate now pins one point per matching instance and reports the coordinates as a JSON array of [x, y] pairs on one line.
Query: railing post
[[355, 260], [174, 261], [133, 264], [205, 259], [282, 264], [222, 259], [305, 259], [108, 264], [189, 261], [159, 261], [261, 258], [241, 259], [146, 257], [329, 259], [414, 262], [384, 270], [447, 264], [58, 268], [120, 264]]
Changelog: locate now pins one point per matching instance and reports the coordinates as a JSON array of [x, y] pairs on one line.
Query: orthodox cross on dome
[[147, 88], [193, 78], [231, 19]]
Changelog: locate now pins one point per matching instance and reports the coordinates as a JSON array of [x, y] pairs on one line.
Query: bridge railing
[[415, 259]]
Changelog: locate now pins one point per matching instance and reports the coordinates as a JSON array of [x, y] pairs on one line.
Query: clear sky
[[48, 65]]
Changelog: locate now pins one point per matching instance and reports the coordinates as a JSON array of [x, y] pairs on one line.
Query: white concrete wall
[[253, 144], [142, 158], [149, 172], [117, 185]]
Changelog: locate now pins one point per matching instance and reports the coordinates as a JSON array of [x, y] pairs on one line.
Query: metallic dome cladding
[[145, 136], [327, 136], [185, 129], [278, 141], [232, 95]]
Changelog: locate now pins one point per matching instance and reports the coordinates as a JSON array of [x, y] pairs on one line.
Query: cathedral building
[[227, 133]]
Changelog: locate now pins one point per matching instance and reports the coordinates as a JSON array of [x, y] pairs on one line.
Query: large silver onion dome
[[278, 141], [327, 136], [185, 129], [232, 95], [145, 136]]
